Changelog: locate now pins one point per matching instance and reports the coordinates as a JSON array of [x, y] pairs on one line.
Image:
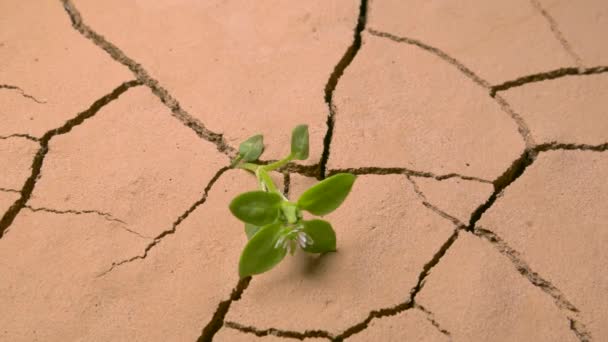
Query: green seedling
[[273, 224]]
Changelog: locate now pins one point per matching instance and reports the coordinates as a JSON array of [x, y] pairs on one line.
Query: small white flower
[[304, 240], [294, 237]]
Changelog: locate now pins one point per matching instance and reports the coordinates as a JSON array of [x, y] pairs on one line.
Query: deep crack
[[30, 183], [332, 82], [217, 321], [553, 146], [279, 332], [22, 92], [286, 184], [516, 169], [156, 240], [580, 330], [547, 75], [426, 269], [144, 77]]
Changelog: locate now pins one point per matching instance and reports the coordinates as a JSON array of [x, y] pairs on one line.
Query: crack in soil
[[510, 175], [518, 168], [278, 332], [22, 92], [30, 183], [553, 146], [286, 184], [371, 170], [451, 60], [332, 82], [217, 321], [431, 318], [9, 190], [515, 171], [522, 126], [546, 286], [409, 303], [144, 77], [456, 222], [557, 33], [106, 216], [20, 135], [156, 240], [547, 75], [375, 314], [313, 172], [580, 330], [520, 265]]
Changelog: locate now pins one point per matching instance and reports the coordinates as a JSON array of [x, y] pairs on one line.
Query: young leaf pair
[[273, 224]]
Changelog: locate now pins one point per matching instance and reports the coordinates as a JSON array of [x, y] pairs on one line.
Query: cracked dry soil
[[478, 131]]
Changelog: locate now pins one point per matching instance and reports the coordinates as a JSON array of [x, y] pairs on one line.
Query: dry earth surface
[[478, 130]]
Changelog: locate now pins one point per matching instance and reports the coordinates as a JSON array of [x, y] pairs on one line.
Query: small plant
[[274, 225]]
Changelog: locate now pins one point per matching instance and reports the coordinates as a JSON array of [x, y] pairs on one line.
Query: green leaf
[[327, 195], [256, 207], [322, 235], [252, 148], [251, 229], [299, 142], [259, 254]]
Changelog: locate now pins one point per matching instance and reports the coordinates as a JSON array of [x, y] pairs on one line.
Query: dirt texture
[[478, 131]]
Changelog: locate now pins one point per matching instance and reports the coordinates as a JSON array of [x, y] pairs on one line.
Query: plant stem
[[264, 178], [279, 163], [290, 211]]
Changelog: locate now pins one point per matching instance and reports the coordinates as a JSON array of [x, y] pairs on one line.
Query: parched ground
[[478, 130]]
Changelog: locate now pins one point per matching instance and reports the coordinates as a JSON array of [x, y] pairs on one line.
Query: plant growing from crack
[[274, 225]]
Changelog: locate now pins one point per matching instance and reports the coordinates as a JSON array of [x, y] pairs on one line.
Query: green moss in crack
[[274, 225]]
